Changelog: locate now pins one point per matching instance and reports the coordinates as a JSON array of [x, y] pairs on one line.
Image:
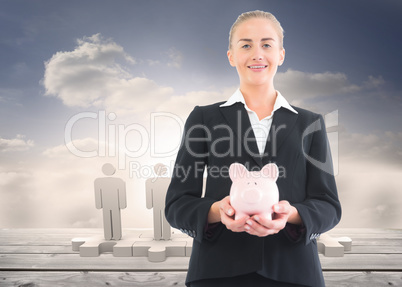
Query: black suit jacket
[[214, 138]]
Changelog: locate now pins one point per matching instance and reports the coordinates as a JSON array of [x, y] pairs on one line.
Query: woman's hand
[[283, 213], [222, 211]]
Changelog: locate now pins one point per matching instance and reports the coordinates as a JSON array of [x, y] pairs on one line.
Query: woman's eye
[[266, 46], [246, 46]]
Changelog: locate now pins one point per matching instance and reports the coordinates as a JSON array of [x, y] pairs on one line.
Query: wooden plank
[[157, 279], [365, 230], [49, 237], [377, 249], [362, 232], [105, 262], [16, 249], [368, 235], [67, 249], [363, 279], [92, 279], [362, 262], [4, 232]]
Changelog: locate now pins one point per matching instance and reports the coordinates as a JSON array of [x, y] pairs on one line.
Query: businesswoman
[[255, 126]]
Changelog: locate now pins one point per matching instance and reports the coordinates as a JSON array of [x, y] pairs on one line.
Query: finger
[[254, 228], [276, 224], [282, 206], [226, 207], [232, 224]]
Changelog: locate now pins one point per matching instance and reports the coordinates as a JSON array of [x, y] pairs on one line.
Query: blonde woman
[[255, 126]]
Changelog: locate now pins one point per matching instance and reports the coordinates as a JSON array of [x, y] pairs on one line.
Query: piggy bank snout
[[252, 195]]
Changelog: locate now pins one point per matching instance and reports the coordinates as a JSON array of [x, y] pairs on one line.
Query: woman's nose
[[257, 55]]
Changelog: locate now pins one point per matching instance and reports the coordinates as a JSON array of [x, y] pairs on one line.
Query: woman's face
[[256, 52]]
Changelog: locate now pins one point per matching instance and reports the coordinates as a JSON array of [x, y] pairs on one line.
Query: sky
[[83, 83]]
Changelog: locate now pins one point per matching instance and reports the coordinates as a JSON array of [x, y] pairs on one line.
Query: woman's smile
[[257, 68]]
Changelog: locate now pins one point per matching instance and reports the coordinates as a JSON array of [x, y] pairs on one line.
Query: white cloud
[[16, 144], [12, 177], [384, 147], [182, 105], [369, 179], [370, 193], [374, 82], [153, 62], [300, 85], [91, 76], [175, 58], [62, 151]]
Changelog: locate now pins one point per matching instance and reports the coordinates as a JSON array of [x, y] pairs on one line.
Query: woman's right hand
[[222, 211]]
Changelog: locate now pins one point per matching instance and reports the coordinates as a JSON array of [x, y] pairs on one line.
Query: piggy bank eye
[[255, 183]]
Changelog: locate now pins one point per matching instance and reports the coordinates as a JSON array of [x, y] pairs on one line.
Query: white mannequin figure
[[156, 189], [110, 194]]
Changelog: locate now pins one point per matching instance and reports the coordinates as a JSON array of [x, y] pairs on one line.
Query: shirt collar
[[237, 97]]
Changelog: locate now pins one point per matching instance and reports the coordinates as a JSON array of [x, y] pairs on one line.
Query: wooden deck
[[44, 257]]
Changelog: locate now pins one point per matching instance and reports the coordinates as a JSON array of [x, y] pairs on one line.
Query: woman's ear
[[281, 56], [230, 58]]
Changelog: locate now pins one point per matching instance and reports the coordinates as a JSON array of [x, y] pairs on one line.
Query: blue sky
[[133, 58]]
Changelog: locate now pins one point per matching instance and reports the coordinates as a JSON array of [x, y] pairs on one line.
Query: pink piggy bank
[[253, 192]]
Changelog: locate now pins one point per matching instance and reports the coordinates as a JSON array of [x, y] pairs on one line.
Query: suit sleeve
[[185, 208], [321, 210]]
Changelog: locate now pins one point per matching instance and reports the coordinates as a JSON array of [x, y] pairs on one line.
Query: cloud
[[384, 147], [182, 105], [12, 177], [175, 58], [63, 151], [16, 144], [370, 194], [302, 85], [370, 168], [53, 189], [16, 204], [92, 75], [374, 82]]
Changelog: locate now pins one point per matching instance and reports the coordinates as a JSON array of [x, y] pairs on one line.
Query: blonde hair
[[259, 15]]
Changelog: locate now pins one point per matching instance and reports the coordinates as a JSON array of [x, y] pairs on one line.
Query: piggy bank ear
[[271, 171], [237, 170]]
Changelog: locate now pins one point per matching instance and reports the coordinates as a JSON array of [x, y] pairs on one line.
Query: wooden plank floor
[[44, 257]]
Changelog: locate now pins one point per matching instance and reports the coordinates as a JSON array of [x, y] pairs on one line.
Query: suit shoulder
[[211, 107], [306, 113], [207, 110], [203, 113]]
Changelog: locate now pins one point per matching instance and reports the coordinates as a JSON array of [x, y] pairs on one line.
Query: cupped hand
[[260, 226], [227, 213]]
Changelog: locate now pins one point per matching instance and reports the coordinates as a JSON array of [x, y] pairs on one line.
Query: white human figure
[[156, 189], [110, 194]]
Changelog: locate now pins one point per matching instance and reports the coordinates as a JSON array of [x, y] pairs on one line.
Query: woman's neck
[[260, 99]]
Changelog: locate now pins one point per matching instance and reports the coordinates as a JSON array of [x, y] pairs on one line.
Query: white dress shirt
[[260, 127]]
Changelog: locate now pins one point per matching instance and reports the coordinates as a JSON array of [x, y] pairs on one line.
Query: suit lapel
[[237, 118], [282, 125]]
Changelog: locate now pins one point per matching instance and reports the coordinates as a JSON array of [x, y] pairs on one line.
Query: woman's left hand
[[283, 213]]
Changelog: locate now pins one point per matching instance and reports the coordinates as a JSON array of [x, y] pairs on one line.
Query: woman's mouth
[[257, 67]]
